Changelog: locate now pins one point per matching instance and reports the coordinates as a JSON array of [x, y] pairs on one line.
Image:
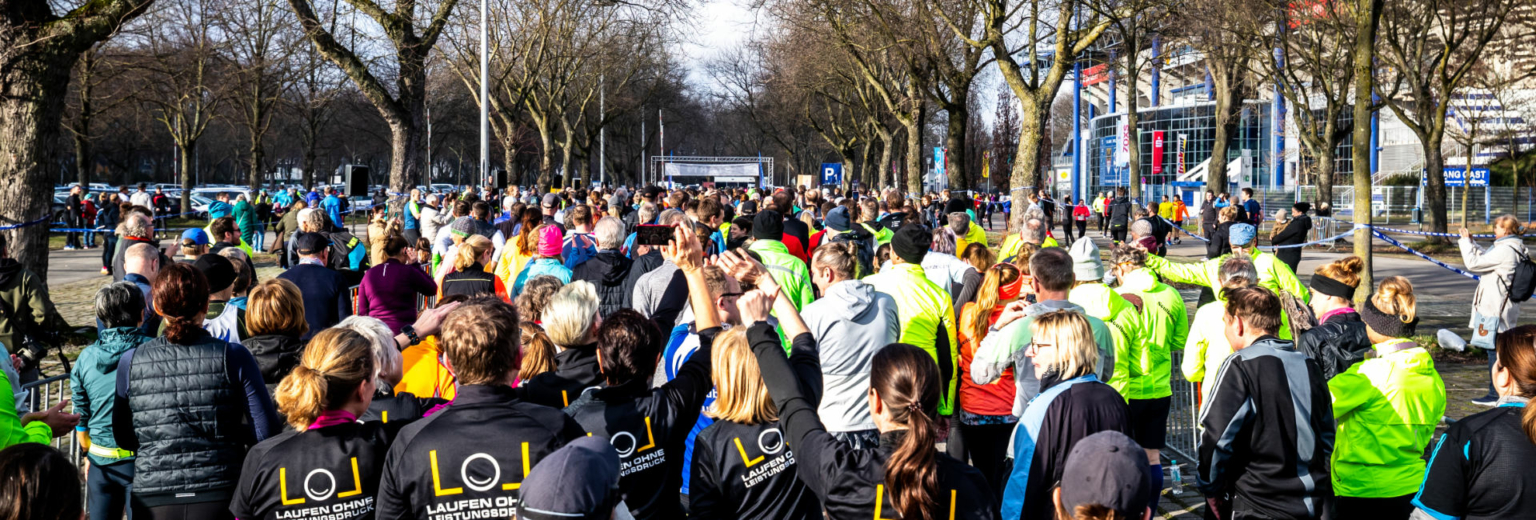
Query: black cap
[[768, 225], [911, 242], [219, 271], [748, 207], [578, 481], [311, 243], [651, 192], [1107, 469]]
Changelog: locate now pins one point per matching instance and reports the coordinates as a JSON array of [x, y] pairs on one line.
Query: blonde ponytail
[[470, 251], [335, 363], [1395, 296]]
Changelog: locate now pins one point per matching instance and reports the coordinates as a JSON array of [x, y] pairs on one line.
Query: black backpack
[[1523, 282], [864, 243]]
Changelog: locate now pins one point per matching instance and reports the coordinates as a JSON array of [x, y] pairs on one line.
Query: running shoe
[[1487, 400]]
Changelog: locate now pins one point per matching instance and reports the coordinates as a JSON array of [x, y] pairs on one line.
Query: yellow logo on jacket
[[472, 484], [309, 489]]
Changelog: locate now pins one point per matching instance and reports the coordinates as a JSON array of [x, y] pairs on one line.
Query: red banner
[[1095, 74], [1157, 152]]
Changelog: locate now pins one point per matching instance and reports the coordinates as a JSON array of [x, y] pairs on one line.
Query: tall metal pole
[[485, 99], [645, 166], [1077, 128], [661, 140], [602, 132], [429, 148]]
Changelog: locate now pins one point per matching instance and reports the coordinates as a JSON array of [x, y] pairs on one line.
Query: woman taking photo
[[1072, 404], [1387, 408], [906, 475], [725, 485], [329, 460], [1491, 308], [986, 411], [1485, 468], [187, 396], [1339, 340]]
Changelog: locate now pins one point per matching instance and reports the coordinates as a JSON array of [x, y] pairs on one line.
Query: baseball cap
[[217, 269], [1241, 234], [311, 243], [551, 200], [577, 481], [1107, 469], [196, 235]]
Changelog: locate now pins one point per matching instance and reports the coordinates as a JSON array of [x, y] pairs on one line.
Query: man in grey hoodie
[[850, 323], [1006, 344]]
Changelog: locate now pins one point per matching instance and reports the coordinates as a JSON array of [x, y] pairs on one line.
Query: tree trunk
[[187, 154], [1025, 177], [1226, 123], [887, 150], [1326, 159], [1434, 186], [954, 139], [82, 126], [1367, 19], [1133, 144], [914, 126], [546, 156], [257, 156], [33, 89]]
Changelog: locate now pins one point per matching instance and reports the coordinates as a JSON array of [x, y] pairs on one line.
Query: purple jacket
[[389, 293]]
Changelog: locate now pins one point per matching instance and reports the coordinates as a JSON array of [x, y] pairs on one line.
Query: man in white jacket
[[433, 217], [1496, 268]]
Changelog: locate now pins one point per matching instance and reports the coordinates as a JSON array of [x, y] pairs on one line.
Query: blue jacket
[[413, 215], [332, 206], [1063, 413], [540, 267], [327, 300], [93, 381]]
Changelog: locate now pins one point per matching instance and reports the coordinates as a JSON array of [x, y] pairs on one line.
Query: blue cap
[[196, 235], [577, 482], [1241, 234]]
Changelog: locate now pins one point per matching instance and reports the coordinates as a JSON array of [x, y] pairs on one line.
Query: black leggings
[[987, 445], [1390, 508], [200, 511], [1082, 228], [1118, 233]]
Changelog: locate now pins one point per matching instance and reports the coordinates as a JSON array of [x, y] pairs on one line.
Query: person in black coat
[[613, 274], [1339, 340], [327, 300], [1294, 232]]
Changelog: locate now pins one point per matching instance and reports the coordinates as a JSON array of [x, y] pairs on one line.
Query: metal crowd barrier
[[1183, 416], [44, 393]]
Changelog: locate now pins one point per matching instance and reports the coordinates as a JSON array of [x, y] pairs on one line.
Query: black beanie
[[1386, 324], [768, 225], [957, 205], [911, 243]]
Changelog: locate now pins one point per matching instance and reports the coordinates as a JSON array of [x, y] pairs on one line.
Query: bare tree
[[182, 64], [1134, 34], [404, 106], [261, 47], [97, 91], [1215, 28], [39, 47]]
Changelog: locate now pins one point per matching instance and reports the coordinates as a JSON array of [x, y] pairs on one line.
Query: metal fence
[[1183, 416], [44, 393]]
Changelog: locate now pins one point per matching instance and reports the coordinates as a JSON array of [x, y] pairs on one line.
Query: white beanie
[[1086, 264]]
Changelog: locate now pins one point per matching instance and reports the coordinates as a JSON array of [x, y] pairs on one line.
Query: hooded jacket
[[791, 273], [1120, 212], [1064, 413], [927, 316], [1165, 328], [1337, 343], [850, 483], [1268, 434], [609, 272], [1387, 409], [1124, 324], [93, 380], [26, 302], [1273, 274], [576, 370], [540, 267], [432, 218], [1496, 265], [956, 277], [1008, 347], [851, 322], [276, 355]]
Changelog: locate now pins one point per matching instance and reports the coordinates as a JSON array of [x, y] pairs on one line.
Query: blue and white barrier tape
[[25, 224], [1425, 233], [1314, 242], [1182, 230], [1449, 267]]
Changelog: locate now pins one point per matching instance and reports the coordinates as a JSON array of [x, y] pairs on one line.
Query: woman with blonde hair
[[569, 322], [1492, 310], [274, 317], [1387, 409], [1072, 404], [1339, 340], [469, 277], [721, 483], [322, 400], [986, 411], [538, 352]]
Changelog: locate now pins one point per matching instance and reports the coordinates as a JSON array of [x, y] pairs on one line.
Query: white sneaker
[[1450, 341]]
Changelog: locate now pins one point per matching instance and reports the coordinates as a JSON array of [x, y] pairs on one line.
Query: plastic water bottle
[[1177, 477]]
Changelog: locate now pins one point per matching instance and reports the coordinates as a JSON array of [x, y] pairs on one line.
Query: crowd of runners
[[755, 354]]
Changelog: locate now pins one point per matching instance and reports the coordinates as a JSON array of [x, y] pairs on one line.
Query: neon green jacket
[[12, 432], [793, 277], [1165, 327], [882, 235], [1125, 326], [1273, 274], [1387, 409], [922, 308], [1206, 348], [975, 234]]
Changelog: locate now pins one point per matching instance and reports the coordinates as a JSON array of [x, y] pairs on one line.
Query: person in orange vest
[[1179, 212]]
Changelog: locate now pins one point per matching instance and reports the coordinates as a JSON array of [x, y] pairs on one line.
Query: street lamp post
[[485, 100]]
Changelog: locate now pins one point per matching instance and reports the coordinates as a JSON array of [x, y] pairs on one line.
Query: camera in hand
[[653, 235]]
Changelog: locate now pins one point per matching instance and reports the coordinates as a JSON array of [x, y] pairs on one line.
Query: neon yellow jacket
[[1010, 247], [1273, 274], [882, 235], [1125, 326], [1387, 409], [1165, 327], [975, 234], [791, 273], [1098, 205], [1206, 348], [12, 432], [922, 308]]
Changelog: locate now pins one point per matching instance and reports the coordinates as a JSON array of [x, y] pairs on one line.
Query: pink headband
[[550, 241]]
